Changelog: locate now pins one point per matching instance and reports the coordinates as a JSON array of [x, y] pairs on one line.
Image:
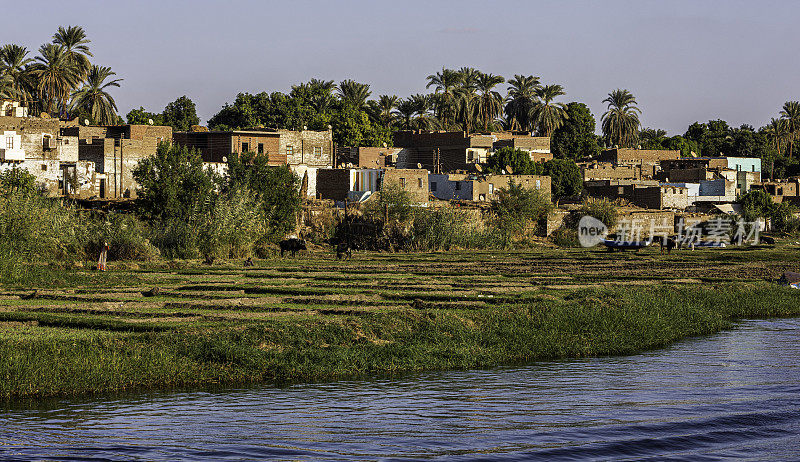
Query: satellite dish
[[150, 121], [86, 122], [419, 165], [503, 172], [478, 168], [224, 159], [330, 127], [384, 145], [305, 127], [510, 170]]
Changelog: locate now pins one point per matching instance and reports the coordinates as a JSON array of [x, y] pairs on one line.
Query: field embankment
[[315, 318]]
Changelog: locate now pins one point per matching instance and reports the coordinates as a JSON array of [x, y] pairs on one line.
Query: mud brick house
[[115, 151], [648, 194], [474, 187], [284, 147], [609, 171], [36, 145], [442, 152], [367, 157], [358, 184], [649, 160], [743, 171]]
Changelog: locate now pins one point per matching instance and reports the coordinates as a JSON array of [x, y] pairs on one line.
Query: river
[[731, 395]]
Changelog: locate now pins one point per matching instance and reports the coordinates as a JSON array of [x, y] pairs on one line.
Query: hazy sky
[[684, 60]]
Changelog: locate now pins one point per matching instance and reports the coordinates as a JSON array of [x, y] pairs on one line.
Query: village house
[[744, 172], [649, 194], [591, 171], [442, 152], [358, 184], [781, 190], [37, 145], [367, 157], [115, 151], [476, 187]]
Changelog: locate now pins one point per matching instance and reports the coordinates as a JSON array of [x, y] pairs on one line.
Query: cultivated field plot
[[313, 317], [318, 285]]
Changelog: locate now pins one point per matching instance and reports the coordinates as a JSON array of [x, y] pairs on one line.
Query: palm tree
[[6, 87], [521, 98], [354, 93], [490, 102], [791, 114], [95, 99], [414, 112], [547, 115], [385, 109], [73, 38], [446, 85], [777, 131], [621, 120], [56, 76], [405, 111], [14, 64]]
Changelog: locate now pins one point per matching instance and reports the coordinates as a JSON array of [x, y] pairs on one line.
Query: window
[[458, 186], [538, 184], [10, 142], [433, 186], [44, 167], [419, 183], [402, 182], [261, 148], [318, 151], [491, 188], [66, 140], [245, 147], [289, 151]]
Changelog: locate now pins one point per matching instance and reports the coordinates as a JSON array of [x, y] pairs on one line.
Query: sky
[[684, 61]]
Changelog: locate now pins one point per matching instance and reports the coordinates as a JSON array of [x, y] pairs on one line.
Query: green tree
[[276, 189], [14, 65], [546, 114], [521, 99], [756, 204], [565, 177], [353, 127], [73, 39], [517, 208], [791, 114], [180, 114], [56, 77], [620, 122], [490, 102], [173, 183], [354, 93], [446, 85], [519, 161], [142, 117], [575, 139], [18, 181], [94, 97]]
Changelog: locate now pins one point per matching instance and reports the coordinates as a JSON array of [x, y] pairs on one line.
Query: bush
[[399, 203], [18, 180], [565, 237], [36, 229], [127, 238], [602, 209], [445, 228], [516, 208], [231, 227]]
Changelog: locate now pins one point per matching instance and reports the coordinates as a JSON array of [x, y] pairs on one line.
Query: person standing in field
[[101, 262]]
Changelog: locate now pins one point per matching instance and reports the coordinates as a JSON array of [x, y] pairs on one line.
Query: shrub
[[565, 237], [516, 208], [446, 227], [397, 201], [600, 208], [126, 235], [231, 226]]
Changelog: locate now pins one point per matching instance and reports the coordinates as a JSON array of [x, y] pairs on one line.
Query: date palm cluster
[[61, 80], [783, 130]]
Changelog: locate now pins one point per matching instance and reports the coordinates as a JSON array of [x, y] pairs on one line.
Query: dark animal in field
[[152, 292], [248, 262], [668, 243], [766, 240], [292, 245], [343, 251]]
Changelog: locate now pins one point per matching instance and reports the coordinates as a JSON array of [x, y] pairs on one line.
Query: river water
[[731, 395]]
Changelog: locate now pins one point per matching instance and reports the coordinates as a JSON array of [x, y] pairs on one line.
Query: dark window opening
[[245, 147], [261, 148]]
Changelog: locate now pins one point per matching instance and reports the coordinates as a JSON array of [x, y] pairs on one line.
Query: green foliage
[[620, 122], [274, 189], [575, 139], [566, 180], [600, 208], [126, 235], [399, 203], [519, 161], [517, 208], [172, 183], [35, 229], [756, 204], [180, 114], [353, 127], [142, 117], [447, 228], [231, 226], [18, 180]]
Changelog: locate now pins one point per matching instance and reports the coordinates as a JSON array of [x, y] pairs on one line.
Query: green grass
[[315, 318]]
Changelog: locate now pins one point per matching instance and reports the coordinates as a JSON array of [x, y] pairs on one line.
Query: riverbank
[[315, 318]]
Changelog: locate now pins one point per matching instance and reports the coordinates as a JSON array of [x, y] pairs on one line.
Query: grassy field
[[315, 318]]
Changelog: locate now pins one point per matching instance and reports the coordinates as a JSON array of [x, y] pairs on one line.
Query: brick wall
[[333, 184], [415, 181]]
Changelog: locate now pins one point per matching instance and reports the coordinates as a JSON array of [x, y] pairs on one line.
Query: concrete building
[[442, 152], [474, 187]]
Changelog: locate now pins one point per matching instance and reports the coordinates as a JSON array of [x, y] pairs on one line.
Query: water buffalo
[[343, 251], [292, 245]]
